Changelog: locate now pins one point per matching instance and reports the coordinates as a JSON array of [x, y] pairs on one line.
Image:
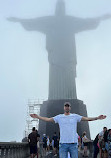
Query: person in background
[[38, 144], [101, 134], [102, 150], [79, 143], [109, 143], [85, 141], [33, 138], [96, 146], [55, 138], [44, 139], [48, 143]]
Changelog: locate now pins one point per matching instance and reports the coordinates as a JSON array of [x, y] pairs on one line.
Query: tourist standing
[[68, 129], [33, 138]]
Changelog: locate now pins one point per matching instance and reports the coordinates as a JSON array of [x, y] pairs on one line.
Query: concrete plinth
[[51, 108]]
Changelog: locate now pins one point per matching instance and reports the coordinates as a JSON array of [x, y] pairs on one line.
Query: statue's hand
[[106, 16], [12, 19]]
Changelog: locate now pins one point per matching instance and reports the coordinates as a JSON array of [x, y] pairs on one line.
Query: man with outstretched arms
[[68, 129]]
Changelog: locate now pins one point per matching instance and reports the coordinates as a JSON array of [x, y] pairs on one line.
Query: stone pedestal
[[51, 108]]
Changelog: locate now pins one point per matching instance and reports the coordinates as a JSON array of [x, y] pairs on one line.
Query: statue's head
[[60, 8]]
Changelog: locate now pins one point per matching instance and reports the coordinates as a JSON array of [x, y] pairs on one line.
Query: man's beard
[[67, 111]]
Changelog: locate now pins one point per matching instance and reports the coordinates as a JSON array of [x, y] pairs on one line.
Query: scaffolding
[[33, 108]]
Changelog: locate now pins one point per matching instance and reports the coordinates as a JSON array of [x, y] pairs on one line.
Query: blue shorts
[[33, 149]]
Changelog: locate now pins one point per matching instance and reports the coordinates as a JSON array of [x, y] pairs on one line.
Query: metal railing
[[17, 150], [14, 150], [22, 150]]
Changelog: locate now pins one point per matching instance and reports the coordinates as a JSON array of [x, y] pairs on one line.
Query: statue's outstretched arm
[[88, 23], [105, 17], [13, 19], [35, 24], [28, 24]]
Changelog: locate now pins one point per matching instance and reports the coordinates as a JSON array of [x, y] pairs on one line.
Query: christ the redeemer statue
[[60, 31]]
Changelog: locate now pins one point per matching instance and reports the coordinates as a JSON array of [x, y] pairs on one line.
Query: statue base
[[52, 108]]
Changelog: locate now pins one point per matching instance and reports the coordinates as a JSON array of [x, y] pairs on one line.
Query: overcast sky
[[24, 63]]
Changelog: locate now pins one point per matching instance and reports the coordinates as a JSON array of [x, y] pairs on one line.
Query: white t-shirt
[[68, 127]]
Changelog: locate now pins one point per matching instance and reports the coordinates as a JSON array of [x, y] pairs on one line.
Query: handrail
[[14, 150], [17, 150]]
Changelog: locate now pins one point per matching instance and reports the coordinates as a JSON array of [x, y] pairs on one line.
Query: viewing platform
[[21, 150]]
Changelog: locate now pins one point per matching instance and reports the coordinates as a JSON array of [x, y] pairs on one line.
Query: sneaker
[[55, 155]]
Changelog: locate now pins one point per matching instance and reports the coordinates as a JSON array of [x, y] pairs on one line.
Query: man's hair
[[33, 129], [67, 103], [84, 133], [109, 130]]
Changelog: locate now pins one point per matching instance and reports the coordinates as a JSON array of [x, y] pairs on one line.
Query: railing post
[[6, 152], [2, 152], [14, 150]]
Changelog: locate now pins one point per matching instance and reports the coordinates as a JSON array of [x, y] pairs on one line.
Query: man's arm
[[42, 118], [101, 117]]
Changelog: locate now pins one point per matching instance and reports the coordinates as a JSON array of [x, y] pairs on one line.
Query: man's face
[[67, 108], [104, 130], [110, 132]]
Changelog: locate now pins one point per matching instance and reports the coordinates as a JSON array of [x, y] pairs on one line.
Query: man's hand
[[101, 117], [12, 19], [34, 115]]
